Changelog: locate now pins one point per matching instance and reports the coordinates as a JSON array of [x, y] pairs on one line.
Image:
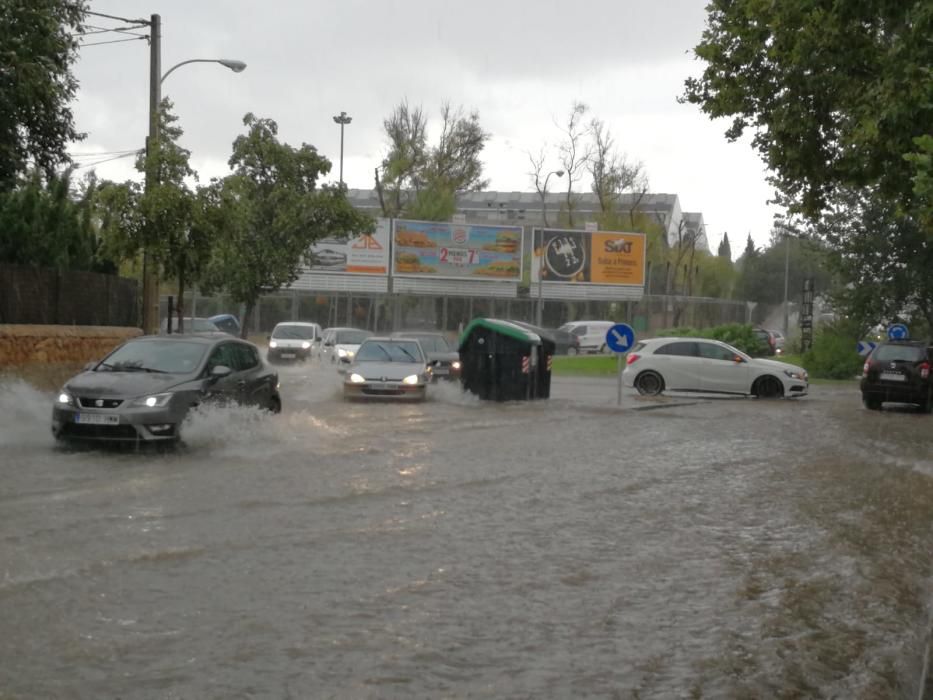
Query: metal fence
[[43, 295], [388, 312]]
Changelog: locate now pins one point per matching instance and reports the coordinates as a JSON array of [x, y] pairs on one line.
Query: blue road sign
[[620, 338], [864, 347], [898, 331]]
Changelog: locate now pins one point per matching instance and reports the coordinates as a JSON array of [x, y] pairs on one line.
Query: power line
[[104, 153], [120, 19], [118, 30], [79, 166], [114, 41]]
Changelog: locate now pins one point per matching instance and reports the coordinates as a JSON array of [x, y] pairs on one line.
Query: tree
[[44, 223], [612, 173], [725, 250], [37, 50], [269, 211], [836, 92], [422, 181], [573, 153], [160, 218], [884, 258]]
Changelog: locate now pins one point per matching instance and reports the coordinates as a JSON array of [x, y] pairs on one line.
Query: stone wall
[[24, 345]]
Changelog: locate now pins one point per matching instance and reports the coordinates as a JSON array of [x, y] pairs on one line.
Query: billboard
[[364, 254], [589, 257], [429, 249]]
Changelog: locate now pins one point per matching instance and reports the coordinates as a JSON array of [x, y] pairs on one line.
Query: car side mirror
[[268, 337], [328, 344], [220, 371]]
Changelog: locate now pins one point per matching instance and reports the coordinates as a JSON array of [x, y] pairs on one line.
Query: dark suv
[[899, 371]]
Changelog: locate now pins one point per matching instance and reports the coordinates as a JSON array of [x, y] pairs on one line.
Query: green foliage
[[419, 181], [42, 223], [885, 258], [738, 335], [725, 250], [761, 276], [266, 215], [37, 49], [833, 354], [835, 92]]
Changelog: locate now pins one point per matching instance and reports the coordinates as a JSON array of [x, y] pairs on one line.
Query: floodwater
[[454, 549]]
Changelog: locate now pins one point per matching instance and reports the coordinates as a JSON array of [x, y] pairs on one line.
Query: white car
[[340, 345], [592, 334], [710, 367], [293, 341]]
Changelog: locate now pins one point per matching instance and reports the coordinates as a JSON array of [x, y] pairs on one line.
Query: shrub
[[739, 335], [833, 355]]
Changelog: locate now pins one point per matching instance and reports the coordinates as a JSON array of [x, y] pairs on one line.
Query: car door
[[227, 388], [720, 372], [679, 365], [253, 382]]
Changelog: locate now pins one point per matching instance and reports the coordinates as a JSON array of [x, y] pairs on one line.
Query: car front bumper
[[130, 424], [385, 390], [288, 354]]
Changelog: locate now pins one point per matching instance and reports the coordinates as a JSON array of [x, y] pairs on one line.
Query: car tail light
[[925, 370], [631, 358], [866, 367]]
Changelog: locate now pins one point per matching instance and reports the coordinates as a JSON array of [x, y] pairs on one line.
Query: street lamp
[[156, 78], [232, 64], [540, 311], [343, 119]]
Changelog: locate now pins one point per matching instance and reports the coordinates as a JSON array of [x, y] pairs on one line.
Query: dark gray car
[[143, 390], [443, 360]]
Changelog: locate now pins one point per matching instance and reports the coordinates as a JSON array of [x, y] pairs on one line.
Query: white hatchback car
[[709, 367]]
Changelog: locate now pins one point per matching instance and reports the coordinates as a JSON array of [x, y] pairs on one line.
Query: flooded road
[[452, 549]]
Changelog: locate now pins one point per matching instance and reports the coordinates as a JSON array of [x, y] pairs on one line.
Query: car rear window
[[899, 353]]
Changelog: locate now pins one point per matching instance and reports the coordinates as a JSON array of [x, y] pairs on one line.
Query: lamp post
[[539, 315], [156, 78], [343, 119]]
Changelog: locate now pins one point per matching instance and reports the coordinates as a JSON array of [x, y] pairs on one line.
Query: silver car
[[387, 368], [142, 391]]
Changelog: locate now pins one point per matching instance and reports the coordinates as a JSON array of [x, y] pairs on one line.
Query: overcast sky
[[521, 64]]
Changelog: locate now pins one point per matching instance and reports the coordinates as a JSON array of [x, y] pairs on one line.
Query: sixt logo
[[619, 245]]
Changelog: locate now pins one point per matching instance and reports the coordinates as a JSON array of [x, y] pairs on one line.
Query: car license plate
[[441, 371], [96, 419], [893, 377], [288, 355]]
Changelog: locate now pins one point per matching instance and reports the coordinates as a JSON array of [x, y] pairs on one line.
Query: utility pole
[[786, 277], [150, 273], [343, 120]]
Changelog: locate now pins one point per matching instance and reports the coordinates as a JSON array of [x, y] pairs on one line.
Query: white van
[[592, 334]]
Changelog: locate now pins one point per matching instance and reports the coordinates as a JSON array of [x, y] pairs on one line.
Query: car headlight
[[273, 344], [411, 379], [306, 345], [794, 374], [455, 364], [65, 398], [356, 378], [342, 353], [154, 401]]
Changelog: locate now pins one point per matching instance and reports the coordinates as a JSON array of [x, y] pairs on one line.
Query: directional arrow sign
[[898, 331], [620, 338], [864, 347]]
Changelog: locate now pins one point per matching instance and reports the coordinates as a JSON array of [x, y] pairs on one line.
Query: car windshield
[[432, 343], [898, 353], [226, 324], [172, 356], [389, 351], [293, 332], [351, 337]]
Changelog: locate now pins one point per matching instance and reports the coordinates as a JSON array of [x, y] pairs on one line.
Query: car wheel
[[872, 403], [275, 404], [768, 388], [926, 406], [649, 383]]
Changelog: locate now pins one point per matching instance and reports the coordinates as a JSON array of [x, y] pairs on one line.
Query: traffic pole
[[619, 383]]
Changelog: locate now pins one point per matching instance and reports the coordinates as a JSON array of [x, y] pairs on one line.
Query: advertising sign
[[457, 251], [365, 254], [589, 257]]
